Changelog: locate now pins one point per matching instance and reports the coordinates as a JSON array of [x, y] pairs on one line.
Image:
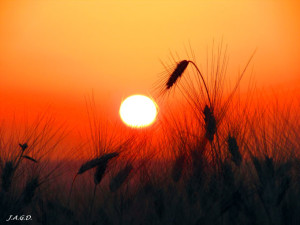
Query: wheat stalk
[[178, 167], [29, 190], [180, 68], [7, 175]]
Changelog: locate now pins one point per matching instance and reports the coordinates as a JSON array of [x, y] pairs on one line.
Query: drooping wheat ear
[[29, 190], [100, 170], [99, 173], [95, 162], [233, 148], [210, 123], [180, 68], [7, 175], [101, 167], [101, 161], [178, 167], [117, 181]]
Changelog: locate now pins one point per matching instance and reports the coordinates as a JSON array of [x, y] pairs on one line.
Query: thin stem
[[92, 204], [202, 81], [19, 160], [71, 190]]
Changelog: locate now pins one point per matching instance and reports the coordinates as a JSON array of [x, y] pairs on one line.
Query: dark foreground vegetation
[[222, 163]]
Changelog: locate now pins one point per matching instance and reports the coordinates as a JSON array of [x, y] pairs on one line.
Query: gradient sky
[[56, 53]]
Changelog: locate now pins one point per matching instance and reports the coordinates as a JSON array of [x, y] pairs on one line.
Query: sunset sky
[[54, 54]]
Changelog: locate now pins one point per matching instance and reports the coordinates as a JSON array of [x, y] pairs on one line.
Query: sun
[[138, 111]]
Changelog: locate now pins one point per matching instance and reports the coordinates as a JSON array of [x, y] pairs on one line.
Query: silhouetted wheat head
[[95, 162], [100, 170], [99, 163], [177, 73], [233, 148], [207, 102], [29, 190], [117, 181], [210, 123]]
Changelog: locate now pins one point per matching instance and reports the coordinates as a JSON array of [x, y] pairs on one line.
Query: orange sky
[[55, 53]]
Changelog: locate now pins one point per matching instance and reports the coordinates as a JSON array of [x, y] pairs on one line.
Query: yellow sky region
[[57, 52]]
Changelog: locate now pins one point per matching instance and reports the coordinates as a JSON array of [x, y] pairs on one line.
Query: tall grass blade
[[178, 168], [29, 158]]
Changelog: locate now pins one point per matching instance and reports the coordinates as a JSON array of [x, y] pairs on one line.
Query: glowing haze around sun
[[138, 111]]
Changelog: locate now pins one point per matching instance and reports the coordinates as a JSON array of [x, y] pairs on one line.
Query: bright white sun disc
[[138, 111]]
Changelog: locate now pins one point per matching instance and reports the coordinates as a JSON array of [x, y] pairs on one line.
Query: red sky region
[[56, 54]]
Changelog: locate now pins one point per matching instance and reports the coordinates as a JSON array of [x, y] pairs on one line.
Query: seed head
[[210, 123], [95, 162], [180, 68], [100, 170], [234, 150], [120, 178], [29, 190]]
